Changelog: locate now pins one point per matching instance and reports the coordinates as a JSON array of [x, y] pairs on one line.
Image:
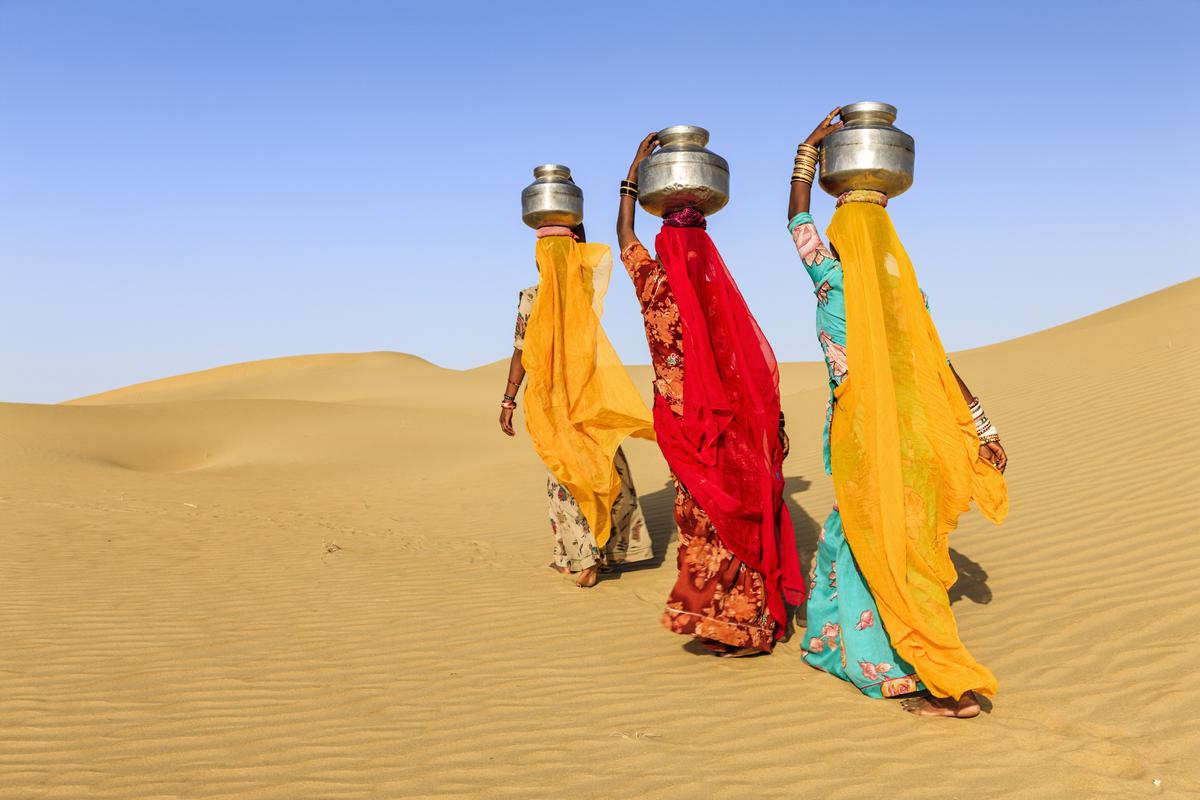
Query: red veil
[[725, 448]]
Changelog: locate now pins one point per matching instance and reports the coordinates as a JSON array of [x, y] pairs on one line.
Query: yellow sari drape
[[905, 453], [580, 403]]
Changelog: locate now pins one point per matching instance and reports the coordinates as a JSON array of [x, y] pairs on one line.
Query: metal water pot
[[683, 173], [868, 152], [552, 199]]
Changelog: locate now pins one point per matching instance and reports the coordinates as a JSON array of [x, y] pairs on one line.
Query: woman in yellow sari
[[909, 448], [580, 405]]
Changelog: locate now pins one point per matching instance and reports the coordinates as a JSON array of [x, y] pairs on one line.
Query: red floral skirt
[[717, 598]]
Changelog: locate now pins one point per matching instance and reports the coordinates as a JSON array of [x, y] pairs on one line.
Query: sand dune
[[325, 577]]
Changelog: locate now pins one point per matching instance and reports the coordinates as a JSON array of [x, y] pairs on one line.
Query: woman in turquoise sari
[[846, 635]]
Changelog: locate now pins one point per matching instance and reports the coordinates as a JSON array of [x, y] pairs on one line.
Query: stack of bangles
[[510, 400], [805, 168], [629, 189], [983, 426]]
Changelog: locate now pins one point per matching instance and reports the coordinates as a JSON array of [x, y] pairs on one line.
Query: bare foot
[[587, 579], [967, 706], [926, 705], [560, 570]]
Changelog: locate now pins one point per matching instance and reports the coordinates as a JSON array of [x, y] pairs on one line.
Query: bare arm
[[628, 207], [988, 451], [962, 385], [516, 374], [800, 199], [801, 196]]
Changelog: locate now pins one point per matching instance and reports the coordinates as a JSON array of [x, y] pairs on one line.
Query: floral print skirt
[[574, 545], [717, 598], [845, 636]]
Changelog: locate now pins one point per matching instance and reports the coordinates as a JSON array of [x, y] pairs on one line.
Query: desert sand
[[326, 577]]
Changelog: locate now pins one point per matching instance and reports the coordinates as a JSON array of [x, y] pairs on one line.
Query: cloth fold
[[725, 447], [904, 452], [580, 403]]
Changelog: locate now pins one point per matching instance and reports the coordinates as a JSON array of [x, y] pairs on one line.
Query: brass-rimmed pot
[[683, 173], [867, 152], [552, 198]]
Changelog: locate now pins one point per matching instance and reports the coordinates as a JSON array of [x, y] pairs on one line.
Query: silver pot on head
[[683, 173], [867, 152], [552, 199]]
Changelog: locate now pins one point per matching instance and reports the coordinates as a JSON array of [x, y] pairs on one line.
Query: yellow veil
[[580, 403], [905, 453]]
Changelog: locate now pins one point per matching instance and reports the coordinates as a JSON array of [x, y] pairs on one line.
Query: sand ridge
[[325, 577]]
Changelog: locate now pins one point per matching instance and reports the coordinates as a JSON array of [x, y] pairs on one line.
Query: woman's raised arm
[[801, 196], [625, 214]]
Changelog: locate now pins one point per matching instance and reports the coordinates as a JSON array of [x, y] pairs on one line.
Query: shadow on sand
[[972, 580]]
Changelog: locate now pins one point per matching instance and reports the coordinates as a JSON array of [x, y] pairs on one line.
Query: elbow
[[624, 233]]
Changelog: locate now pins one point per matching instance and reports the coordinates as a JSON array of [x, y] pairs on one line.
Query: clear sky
[[190, 184]]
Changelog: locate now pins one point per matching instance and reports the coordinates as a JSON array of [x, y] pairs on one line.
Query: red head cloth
[[686, 218], [725, 449]]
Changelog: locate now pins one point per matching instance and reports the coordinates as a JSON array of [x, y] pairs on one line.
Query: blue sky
[[185, 185]]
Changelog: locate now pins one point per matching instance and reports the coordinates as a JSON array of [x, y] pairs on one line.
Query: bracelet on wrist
[[984, 427], [804, 167]]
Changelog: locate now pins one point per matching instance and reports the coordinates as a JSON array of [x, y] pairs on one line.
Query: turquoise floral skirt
[[845, 636]]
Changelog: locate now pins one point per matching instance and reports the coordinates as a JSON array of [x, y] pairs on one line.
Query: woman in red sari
[[717, 418]]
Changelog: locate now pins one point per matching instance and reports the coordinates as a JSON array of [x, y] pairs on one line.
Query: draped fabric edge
[[901, 397], [580, 403], [717, 420]]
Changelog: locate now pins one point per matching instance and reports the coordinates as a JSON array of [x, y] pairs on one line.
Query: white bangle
[[983, 426]]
